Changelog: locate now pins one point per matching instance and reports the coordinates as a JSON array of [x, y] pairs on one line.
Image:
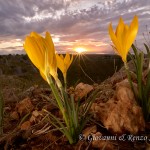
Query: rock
[[125, 83], [123, 92], [89, 130], [50, 136], [105, 95], [35, 116], [121, 74], [29, 91], [25, 106], [35, 91], [26, 125], [121, 113], [14, 115], [82, 90]]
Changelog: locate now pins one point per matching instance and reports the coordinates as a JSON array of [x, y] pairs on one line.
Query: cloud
[[74, 21]]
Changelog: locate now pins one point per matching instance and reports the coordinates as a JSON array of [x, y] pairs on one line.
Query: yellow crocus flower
[[63, 63], [37, 48], [124, 36]]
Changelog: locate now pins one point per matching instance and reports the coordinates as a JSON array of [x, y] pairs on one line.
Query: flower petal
[[132, 32], [43, 75], [53, 68], [120, 29], [33, 52], [125, 41], [61, 56], [49, 42], [35, 35], [51, 55], [60, 63], [67, 59], [114, 39], [50, 46]]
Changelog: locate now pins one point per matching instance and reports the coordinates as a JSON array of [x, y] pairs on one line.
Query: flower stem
[[65, 81], [58, 99], [129, 78]]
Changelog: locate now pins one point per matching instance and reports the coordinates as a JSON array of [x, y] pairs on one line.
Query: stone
[[35, 116], [120, 114], [125, 83], [121, 74], [82, 90], [87, 131], [14, 115], [50, 136], [26, 125], [35, 91], [25, 106]]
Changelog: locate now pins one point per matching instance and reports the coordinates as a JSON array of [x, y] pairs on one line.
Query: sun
[[80, 50]]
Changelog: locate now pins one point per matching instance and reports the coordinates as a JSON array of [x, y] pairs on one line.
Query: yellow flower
[[124, 36], [41, 52], [63, 63]]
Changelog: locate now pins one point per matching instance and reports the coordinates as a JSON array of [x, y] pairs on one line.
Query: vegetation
[[54, 69], [143, 80], [92, 64], [122, 40], [41, 52]]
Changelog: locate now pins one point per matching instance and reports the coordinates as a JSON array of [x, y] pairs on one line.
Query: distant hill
[[97, 67], [94, 66], [18, 74]]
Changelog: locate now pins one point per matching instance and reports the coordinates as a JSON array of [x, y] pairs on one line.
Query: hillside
[[97, 67], [17, 73]]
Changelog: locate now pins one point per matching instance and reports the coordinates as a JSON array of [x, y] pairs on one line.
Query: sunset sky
[[72, 23]]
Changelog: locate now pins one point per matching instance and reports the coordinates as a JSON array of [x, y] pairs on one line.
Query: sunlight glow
[[80, 50], [56, 39]]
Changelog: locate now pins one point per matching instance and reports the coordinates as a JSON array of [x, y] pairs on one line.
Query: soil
[[25, 127], [20, 132]]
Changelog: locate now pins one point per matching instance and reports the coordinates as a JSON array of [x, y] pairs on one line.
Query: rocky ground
[[117, 122]]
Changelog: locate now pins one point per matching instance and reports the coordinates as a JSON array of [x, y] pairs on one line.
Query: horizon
[[72, 53], [72, 23]]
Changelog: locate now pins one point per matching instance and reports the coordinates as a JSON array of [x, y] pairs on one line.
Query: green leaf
[[133, 59], [147, 86], [90, 101], [24, 118], [84, 120], [147, 48], [61, 127], [49, 100], [74, 112]]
